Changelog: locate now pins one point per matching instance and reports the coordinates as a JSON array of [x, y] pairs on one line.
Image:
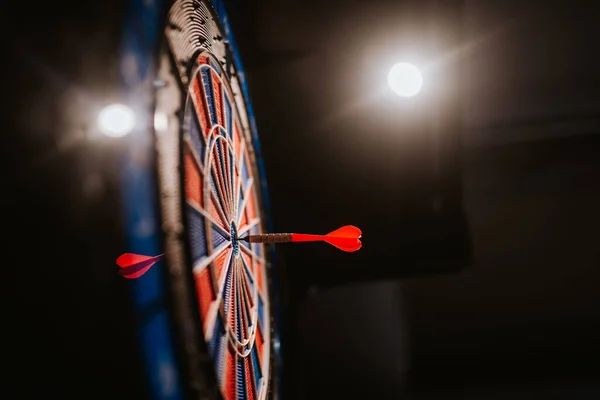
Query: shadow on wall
[[529, 304], [358, 347]]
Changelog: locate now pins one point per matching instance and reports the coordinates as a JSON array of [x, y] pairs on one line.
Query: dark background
[[509, 123], [478, 199]]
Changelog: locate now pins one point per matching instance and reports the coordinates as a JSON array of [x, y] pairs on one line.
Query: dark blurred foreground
[[516, 200]]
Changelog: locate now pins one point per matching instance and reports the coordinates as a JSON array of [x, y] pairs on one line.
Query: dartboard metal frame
[[196, 37]]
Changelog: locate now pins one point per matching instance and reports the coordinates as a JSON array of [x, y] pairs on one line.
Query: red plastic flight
[[135, 265], [346, 238]]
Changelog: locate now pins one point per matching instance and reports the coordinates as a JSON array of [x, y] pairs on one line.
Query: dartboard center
[[234, 240]]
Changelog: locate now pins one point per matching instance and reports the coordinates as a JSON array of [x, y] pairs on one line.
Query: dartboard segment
[[198, 97], [195, 179]]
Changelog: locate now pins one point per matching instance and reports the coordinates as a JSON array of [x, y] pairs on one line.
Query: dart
[[136, 265], [346, 238]]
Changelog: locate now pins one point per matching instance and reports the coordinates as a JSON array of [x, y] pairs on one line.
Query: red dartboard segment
[[259, 276], [206, 294], [227, 174], [250, 387], [203, 59], [232, 315], [221, 262], [226, 154], [199, 102], [218, 93], [230, 374], [194, 183], [244, 219], [216, 195], [219, 174], [251, 207], [237, 138]]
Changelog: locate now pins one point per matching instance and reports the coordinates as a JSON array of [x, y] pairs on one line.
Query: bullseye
[[234, 240]]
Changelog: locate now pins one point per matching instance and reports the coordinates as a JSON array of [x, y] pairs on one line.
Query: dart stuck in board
[[346, 238]]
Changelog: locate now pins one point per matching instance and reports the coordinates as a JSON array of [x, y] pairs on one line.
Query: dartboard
[[210, 193]]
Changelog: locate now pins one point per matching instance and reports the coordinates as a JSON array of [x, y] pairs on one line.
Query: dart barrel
[[271, 238]]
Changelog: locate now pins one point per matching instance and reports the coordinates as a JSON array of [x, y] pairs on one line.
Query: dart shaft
[[303, 237], [271, 238]]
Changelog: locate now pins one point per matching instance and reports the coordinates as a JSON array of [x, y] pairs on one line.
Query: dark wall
[[529, 303], [67, 327], [527, 308], [532, 70], [340, 148]]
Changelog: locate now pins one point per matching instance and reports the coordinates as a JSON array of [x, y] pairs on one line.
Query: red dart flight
[[346, 238], [135, 265]]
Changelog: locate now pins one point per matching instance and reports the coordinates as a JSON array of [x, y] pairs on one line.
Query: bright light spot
[[116, 120], [161, 121], [405, 79]]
